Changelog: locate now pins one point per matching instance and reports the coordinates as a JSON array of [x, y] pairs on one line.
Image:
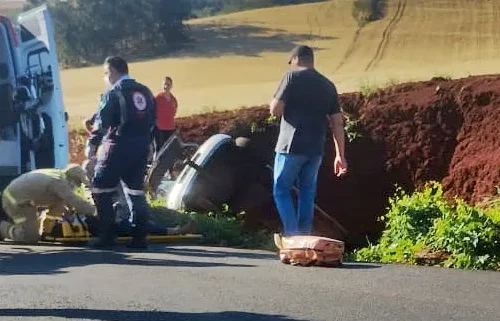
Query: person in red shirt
[[166, 109]]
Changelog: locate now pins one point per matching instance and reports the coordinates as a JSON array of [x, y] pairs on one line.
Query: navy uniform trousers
[[124, 159]]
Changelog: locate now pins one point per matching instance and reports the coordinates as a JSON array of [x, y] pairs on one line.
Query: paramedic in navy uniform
[[123, 129]]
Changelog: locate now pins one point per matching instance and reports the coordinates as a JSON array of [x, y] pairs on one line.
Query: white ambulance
[[33, 121]]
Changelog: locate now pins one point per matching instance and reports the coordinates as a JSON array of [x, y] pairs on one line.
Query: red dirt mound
[[411, 133], [441, 130]]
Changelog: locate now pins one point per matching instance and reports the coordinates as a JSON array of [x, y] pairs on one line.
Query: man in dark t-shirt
[[307, 102]]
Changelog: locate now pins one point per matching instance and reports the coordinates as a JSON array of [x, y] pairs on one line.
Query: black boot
[[107, 237], [140, 214], [138, 243], [107, 227], [4, 229], [139, 234], [139, 238], [104, 242]]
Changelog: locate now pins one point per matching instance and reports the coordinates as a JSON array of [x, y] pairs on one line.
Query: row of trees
[[89, 30]]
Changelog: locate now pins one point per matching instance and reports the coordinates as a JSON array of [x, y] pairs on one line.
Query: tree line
[[89, 30]]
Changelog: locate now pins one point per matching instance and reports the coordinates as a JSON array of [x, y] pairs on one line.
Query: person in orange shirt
[[166, 109]]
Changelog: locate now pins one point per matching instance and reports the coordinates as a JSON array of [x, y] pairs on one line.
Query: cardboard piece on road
[[308, 250]]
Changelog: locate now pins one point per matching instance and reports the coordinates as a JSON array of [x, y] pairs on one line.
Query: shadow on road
[[110, 315], [53, 262], [219, 254], [359, 266]]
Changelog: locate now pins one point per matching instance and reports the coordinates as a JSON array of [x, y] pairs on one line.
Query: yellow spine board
[[150, 238]]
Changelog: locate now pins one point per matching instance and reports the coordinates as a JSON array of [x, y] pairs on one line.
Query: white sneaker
[[277, 241]]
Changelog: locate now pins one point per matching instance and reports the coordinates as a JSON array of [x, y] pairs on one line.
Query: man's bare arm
[[337, 122], [276, 107], [340, 163]]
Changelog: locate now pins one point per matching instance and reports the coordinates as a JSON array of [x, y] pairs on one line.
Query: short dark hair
[[118, 63], [304, 53], [169, 78]]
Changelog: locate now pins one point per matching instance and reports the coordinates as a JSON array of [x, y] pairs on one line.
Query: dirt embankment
[[409, 134]]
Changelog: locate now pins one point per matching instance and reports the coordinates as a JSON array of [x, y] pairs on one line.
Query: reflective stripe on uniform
[[134, 192], [54, 173], [9, 196], [19, 220], [104, 190]]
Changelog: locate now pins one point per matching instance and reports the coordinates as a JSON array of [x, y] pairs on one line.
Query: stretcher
[[79, 231], [122, 239]]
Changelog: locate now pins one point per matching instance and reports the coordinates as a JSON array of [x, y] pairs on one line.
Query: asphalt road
[[219, 284]]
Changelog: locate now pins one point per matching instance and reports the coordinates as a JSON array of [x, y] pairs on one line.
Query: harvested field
[[444, 130], [237, 59]]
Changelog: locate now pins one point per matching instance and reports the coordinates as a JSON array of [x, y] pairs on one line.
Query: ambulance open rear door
[[44, 119]]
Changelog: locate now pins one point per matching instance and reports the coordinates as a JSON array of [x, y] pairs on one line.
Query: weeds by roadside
[[218, 229], [442, 77], [425, 229], [368, 88], [491, 206], [261, 127]]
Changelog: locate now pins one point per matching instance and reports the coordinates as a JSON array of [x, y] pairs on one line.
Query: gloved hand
[[90, 150], [69, 216]]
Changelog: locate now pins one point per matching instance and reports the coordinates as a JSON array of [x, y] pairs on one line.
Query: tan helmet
[[76, 174]]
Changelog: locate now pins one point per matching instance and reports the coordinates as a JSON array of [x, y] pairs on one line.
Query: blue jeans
[[303, 169]]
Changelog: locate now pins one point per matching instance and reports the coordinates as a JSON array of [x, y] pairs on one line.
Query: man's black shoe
[[103, 244], [137, 244]]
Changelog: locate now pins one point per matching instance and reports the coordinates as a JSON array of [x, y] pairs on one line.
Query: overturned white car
[[222, 171]]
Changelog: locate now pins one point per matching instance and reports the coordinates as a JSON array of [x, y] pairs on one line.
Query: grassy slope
[[239, 58]]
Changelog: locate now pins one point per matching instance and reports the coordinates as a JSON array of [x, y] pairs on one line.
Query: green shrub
[[492, 206], [494, 213], [469, 235], [424, 223]]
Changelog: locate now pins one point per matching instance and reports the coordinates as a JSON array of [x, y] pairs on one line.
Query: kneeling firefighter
[[52, 188]]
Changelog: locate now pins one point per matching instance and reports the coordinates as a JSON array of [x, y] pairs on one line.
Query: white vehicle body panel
[[187, 177]]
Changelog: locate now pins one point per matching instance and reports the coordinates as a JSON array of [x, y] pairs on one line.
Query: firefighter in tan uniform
[[52, 188]]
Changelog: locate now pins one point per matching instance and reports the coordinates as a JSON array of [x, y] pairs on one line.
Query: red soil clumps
[[444, 130], [441, 130]]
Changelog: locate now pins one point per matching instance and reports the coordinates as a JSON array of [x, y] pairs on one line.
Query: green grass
[[443, 76], [368, 88], [492, 206], [224, 229]]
